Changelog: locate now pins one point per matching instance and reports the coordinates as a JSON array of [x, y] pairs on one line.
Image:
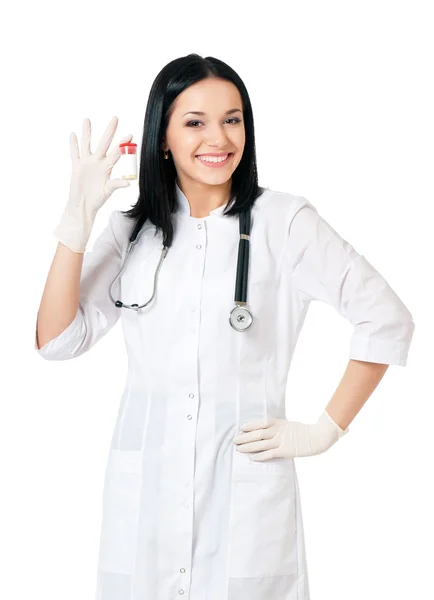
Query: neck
[[203, 197]]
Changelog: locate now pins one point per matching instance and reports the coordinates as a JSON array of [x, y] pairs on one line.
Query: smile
[[214, 161]]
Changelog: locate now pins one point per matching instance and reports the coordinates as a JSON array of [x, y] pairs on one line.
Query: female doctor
[[201, 499]]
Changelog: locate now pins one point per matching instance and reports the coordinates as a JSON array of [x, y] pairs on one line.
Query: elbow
[[406, 322], [71, 342]]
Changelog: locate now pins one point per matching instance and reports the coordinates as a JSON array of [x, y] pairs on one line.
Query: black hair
[[157, 195]]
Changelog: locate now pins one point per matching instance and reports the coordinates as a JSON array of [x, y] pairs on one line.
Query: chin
[[214, 180]]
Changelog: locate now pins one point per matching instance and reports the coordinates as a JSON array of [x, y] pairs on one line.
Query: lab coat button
[[181, 591], [182, 570], [189, 417], [199, 226], [191, 395], [198, 246]]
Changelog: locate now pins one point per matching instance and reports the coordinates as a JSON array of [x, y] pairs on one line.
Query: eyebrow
[[197, 112]]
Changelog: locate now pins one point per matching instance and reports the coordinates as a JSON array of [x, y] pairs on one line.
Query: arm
[[325, 267], [60, 299], [357, 384], [96, 314]]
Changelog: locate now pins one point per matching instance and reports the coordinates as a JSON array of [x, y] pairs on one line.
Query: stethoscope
[[240, 316]]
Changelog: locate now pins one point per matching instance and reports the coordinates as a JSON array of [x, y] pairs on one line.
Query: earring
[[166, 154]]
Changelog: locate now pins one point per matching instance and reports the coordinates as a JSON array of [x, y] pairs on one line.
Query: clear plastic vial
[[128, 160]]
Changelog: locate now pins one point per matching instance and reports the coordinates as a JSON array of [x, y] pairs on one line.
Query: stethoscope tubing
[[240, 317]]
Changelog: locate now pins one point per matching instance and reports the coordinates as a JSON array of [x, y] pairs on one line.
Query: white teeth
[[215, 159]]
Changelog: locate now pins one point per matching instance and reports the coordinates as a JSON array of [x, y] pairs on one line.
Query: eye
[[235, 119]]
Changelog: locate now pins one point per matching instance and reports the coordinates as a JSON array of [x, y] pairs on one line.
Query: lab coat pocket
[[263, 533], [121, 501]]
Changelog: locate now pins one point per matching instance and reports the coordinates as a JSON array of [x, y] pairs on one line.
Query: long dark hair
[[157, 195]]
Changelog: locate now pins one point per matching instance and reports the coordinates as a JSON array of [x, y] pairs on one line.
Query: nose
[[216, 137]]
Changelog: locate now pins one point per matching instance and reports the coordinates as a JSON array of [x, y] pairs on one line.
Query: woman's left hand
[[279, 438]]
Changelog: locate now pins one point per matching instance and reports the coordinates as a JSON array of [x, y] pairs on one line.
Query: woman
[[201, 496]]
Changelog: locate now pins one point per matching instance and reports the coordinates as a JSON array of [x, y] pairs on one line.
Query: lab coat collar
[[184, 205]]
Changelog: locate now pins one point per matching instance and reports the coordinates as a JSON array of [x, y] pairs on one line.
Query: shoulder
[[274, 219], [281, 204], [275, 204], [121, 228]]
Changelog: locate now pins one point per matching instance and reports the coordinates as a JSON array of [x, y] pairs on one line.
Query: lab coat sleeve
[[325, 267], [96, 313]]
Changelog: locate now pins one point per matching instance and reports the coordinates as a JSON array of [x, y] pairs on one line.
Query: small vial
[[128, 160]]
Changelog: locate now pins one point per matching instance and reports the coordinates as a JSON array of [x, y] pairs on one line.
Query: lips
[[215, 164], [214, 154]]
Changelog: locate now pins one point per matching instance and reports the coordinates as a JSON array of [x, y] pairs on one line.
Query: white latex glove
[[287, 439], [90, 185]]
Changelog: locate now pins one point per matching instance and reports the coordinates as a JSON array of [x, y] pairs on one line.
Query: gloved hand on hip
[[90, 185], [279, 438]]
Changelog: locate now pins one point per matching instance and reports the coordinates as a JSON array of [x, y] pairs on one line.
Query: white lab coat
[[185, 514]]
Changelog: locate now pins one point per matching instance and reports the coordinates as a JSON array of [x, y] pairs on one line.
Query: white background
[[343, 98]]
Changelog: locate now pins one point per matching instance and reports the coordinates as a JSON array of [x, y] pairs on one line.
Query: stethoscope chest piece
[[240, 318]]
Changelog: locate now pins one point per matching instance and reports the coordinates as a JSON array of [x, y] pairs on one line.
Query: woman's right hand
[[90, 185]]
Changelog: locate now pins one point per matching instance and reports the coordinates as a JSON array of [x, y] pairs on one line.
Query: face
[[219, 129]]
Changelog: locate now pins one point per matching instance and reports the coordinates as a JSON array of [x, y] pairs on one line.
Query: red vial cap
[[128, 148]]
